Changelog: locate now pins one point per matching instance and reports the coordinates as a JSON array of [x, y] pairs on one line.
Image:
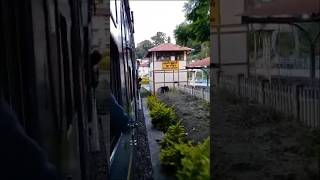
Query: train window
[[115, 72], [115, 80], [66, 70]]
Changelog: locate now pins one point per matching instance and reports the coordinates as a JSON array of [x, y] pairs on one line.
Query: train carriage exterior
[[46, 78], [123, 76]]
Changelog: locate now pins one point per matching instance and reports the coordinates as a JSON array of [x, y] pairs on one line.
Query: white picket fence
[[201, 93], [300, 102]]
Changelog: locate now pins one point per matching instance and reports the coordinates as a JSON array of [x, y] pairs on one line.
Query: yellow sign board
[[170, 65]]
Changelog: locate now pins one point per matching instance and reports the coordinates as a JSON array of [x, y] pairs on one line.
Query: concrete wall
[[167, 77], [233, 39]]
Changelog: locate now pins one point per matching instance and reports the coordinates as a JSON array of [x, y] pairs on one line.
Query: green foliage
[[183, 34], [188, 161], [198, 28], [171, 156], [195, 163], [195, 32], [174, 135], [159, 38], [152, 101], [197, 12], [142, 48], [162, 116]]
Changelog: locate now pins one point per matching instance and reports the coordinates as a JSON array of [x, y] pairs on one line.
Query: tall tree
[[159, 38], [198, 14], [142, 48], [195, 31]]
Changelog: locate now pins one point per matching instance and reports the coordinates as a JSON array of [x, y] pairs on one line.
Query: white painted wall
[[168, 77], [233, 38]]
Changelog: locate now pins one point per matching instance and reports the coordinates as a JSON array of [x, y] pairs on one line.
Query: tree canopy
[[195, 31], [142, 48], [159, 38]]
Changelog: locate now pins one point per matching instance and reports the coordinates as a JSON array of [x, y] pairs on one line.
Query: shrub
[[170, 154], [162, 116], [170, 157], [175, 135], [152, 101], [195, 162]]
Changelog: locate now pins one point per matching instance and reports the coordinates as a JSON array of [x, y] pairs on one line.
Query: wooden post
[[164, 77], [296, 101], [262, 97], [239, 77]]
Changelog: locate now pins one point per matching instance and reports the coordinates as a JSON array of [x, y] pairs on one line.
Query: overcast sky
[[153, 16]]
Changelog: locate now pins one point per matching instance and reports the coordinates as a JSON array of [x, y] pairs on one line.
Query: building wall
[[167, 77], [233, 39]]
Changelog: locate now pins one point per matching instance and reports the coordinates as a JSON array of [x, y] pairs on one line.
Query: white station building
[[168, 66]]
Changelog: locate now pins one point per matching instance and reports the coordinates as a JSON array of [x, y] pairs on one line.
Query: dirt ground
[[251, 142], [193, 112]]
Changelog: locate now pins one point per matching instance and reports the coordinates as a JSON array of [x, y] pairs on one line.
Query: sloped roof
[[199, 63], [169, 47]]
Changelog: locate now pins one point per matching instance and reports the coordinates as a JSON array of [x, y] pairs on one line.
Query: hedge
[[188, 161], [162, 116]]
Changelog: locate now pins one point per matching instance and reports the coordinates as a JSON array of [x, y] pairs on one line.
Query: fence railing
[[201, 93], [298, 101]]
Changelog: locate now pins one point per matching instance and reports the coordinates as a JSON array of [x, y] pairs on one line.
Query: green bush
[[152, 101], [162, 116], [175, 135], [187, 160], [171, 156], [195, 162]]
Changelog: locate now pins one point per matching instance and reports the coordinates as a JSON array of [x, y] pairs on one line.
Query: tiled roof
[[169, 47], [200, 63], [283, 7]]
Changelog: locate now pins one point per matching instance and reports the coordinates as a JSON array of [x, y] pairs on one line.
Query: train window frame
[[68, 92]]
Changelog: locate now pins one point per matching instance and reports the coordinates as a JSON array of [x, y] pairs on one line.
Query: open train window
[[115, 80]]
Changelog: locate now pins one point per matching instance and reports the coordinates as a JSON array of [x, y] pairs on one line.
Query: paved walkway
[[154, 137]]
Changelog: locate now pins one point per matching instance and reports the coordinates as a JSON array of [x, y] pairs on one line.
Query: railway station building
[[167, 66], [198, 73]]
